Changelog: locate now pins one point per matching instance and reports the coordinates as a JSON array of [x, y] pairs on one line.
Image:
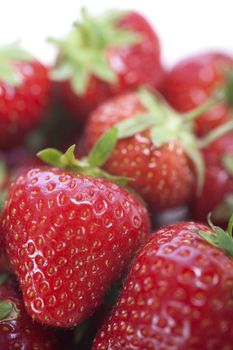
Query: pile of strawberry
[[97, 248]]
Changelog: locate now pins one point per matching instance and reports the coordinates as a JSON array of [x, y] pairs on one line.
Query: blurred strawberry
[[17, 330], [24, 94], [155, 148], [105, 56], [216, 196], [192, 81]]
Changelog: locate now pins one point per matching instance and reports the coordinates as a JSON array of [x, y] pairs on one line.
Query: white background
[[184, 26]]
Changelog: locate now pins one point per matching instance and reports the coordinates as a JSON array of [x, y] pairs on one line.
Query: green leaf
[[80, 80], [161, 135], [102, 70], [63, 72], [219, 238], [103, 148], [8, 55], [83, 51], [152, 103], [14, 52], [5, 309], [230, 226], [130, 127], [51, 156], [189, 144], [208, 237], [223, 211], [119, 180], [215, 134], [229, 88], [68, 158], [8, 75], [227, 161]]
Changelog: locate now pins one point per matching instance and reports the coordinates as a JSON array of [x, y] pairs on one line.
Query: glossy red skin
[[192, 81], [135, 66], [218, 182], [22, 107], [162, 176], [177, 296], [68, 237], [22, 332]]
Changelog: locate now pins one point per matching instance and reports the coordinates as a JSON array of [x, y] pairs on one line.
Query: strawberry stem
[[215, 134], [218, 237], [5, 309], [203, 108]]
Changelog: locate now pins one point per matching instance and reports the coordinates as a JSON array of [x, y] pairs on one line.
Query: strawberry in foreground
[[69, 236], [105, 56], [217, 193], [192, 81], [24, 94], [178, 294], [17, 330]]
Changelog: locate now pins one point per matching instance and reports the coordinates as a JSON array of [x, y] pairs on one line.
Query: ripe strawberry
[[69, 236], [177, 296], [106, 56], [219, 173], [155, 148], [192, 81], [24, 94], [17, 330]]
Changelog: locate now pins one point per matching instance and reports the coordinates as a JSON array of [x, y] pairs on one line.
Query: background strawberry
[[17, 330], [69, 236], [154, 149], [192, 81], [217, 200], [177, 296], [106, 56], [24, 94]]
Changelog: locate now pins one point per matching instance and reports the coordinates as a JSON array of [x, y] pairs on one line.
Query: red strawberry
[[24, 94], [17, 331], [177, 296], [154, 151], [106, 56], [192, 81], [69, 236], [217, 193]]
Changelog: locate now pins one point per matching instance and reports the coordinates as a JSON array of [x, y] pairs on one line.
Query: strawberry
[[69, 235], [192, 81], [24, 94], [17, 330], [105, 56], [155, 147], [219, 172], [178, 294]]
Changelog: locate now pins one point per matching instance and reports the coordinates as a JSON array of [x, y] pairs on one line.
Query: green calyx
[[227, 162], [164, 125], [83, 51], [9, 54], [8, 311], [229, 88], [89, 165], [218, 237]]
